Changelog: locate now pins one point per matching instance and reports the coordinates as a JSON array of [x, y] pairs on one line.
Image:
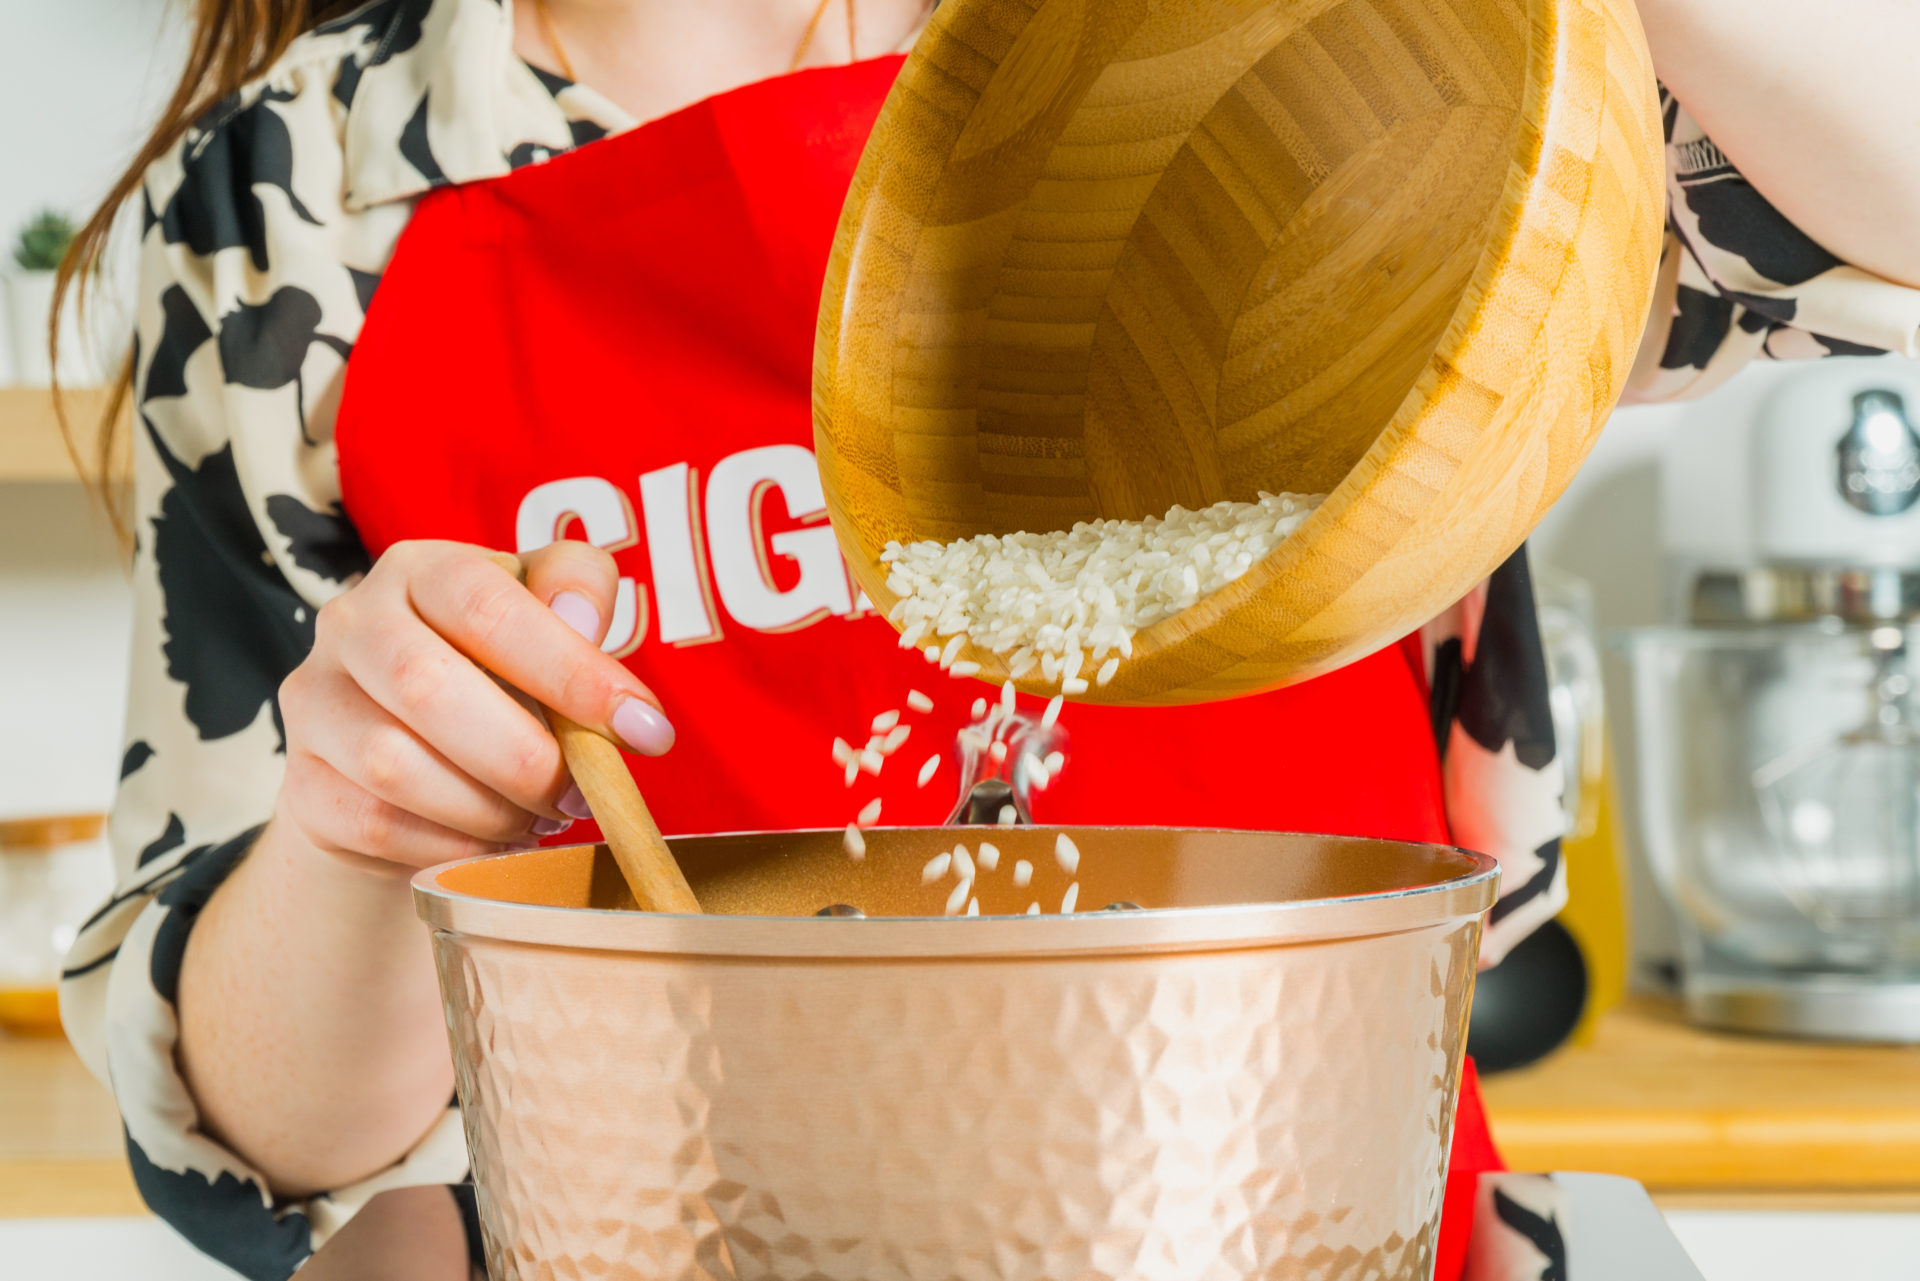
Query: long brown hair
[[233, 41]]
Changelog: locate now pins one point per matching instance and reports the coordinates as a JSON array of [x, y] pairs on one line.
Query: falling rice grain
[[932, 653], [988, 858], [1107, 669], [1052, 714], [1056, 761], [896, 738], [979, 708], [855, 843], [1066, 853], [886, 720], [853, 770], [965, 667], [1022, 874], [919, 702], [997, 751], [869, 813], [958, 898], [962, 863], [928, 770], [952, 650], [1008, 697], [1033, 909], [973, 907], [1008, 816], [1072, 896], [936, 868], [842, 751], [871, 760]]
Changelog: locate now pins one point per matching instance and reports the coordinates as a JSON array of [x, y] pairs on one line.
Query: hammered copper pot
[[1253, 1076]]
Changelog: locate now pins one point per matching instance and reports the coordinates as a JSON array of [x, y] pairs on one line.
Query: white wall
[[79, 81]]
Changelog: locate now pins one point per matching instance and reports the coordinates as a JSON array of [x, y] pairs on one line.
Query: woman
[[309, 719]]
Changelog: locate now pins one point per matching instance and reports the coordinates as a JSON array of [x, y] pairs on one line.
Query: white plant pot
[[29, 303]]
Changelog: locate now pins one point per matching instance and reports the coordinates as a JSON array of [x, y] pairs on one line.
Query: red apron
[[617, 346]]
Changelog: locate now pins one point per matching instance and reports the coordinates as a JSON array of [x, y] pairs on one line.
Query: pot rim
[[932, 938]]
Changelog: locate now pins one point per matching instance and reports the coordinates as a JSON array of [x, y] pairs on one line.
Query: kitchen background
[[78, 77]]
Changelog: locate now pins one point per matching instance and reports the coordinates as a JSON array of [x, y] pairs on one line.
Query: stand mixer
[[1779, 751]]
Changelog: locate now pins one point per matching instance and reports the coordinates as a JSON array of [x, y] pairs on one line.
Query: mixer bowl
[[1253, 1076], [1104, 258]]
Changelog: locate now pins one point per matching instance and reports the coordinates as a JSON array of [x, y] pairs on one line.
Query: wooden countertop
[[1695, 1114], [1699, 1118], [61, 1152]]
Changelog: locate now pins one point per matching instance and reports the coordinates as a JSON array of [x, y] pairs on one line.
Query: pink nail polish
[[571, 802], [642, 728], [577, 612], [544, 826]]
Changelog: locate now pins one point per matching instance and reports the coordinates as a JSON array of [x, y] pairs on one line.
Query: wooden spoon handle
[[652, 875], [598, 768]]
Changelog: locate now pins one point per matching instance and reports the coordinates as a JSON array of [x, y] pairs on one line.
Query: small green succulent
[[43, 241]]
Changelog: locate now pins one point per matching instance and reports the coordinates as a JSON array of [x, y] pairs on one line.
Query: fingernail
[[572, 802], [544, 826], [642, 728], [577, 612]]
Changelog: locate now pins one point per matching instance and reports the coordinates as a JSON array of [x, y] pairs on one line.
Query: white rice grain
[[988, 857], [958, 898], [869, 813], [1073, 599], [871, 760], [1055, 762], [1008, 816], [1052, 714], [965, 667], [932, 653], [997, 751], [936, 868], [1022, 874], [928, 770], [842, 751], [1072, 896], [896, 739], [1066, 853], [855, 843], [1107, 669], [952, 651], [853, 770], [973, 907], [962, 863], [1037, 769], [979, 708], [1033, 909], [886, 720], [919, 702], [1008, 697]]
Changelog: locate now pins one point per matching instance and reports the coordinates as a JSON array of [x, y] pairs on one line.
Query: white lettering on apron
[[736, 492], [687, 615], [606, 520]]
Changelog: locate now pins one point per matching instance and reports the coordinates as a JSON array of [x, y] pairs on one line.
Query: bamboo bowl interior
[[1104, 257]]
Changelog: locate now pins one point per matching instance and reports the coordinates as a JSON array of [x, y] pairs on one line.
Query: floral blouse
[[264, 235]]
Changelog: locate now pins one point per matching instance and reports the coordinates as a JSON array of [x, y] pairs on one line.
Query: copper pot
[[1253, 1076]]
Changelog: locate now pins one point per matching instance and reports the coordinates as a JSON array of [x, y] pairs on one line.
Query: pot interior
[[795, 874]]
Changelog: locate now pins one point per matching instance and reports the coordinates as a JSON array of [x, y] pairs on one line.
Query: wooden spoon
[[652, 875]]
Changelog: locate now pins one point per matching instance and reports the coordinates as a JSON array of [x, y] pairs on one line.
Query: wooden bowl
[[1102, 257]]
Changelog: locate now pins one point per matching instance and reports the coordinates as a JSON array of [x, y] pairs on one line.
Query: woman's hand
[[402, 750]]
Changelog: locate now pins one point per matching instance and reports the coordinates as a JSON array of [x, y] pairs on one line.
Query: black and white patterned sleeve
[[1493, 722], [1740, 282], [249, 302]]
